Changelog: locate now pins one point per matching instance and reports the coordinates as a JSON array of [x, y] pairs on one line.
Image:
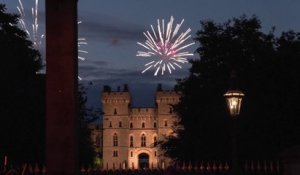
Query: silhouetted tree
[[21, 105], [86, 116], [268, 73]]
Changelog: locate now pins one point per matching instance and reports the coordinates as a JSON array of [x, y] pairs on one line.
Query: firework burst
[[166, 45], [34, 35]]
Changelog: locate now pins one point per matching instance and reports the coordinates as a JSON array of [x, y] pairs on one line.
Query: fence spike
[[265, 166], [258, 166], [176, 166], [214, 167], [208, 167], [190, 166], [226, 167], [44, 170], [252, 166], [196, 166], [183, 166], [36, 169], [24, 168], [30, 169], [82, 169], [220, 167], [202, 166], [271, 167], [246, 167], [89, 169], [278, 166]]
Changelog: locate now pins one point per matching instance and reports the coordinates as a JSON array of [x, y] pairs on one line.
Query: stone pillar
[[61, 87]]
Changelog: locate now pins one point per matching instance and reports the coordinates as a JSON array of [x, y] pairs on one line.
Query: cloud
[[108, 29], [100, 73]]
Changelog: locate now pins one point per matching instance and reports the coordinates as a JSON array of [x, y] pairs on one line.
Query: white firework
[[166, 45], [81, 42], [34, 35]]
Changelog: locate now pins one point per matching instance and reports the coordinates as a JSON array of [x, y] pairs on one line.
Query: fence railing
[[202, 168]]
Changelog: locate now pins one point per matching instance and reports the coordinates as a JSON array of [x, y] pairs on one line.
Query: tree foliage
[[21, 104], [86, 116], [268, 73]]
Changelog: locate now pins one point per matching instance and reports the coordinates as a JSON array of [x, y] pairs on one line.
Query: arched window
[[115, 111], [110, 125], [131, 154], [131, 125], [120, 124], [115, 140], [115, 154], [143, 140], [166, 123], [143, 125], [154, 125], [154, 141], [131, 141]]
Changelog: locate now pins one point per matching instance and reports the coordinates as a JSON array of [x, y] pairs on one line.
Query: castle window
[[154, 124], [143, 140], [166, 123], [143, 125], [115, 154], [154, 141], [110, 125], [120, 124], [115, 111], [98, 141], [170, 110], [154, 153], [131, 141], [115, 140], [131, 154], [131, 125]]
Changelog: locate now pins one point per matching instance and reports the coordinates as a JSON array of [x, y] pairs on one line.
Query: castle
[[131, 134]]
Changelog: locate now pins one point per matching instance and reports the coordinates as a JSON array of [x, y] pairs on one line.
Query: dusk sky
[[112, 29]]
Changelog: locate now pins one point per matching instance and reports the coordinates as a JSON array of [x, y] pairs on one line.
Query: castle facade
[[131, 134]]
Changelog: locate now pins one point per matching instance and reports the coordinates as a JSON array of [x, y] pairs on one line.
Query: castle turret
[[115, 106]]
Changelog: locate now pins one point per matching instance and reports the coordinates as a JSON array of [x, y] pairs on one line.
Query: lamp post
[[234, 100]]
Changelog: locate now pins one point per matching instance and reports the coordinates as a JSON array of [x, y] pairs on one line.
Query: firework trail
[[166, 45]]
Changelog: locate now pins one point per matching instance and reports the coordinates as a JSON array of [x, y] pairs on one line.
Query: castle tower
[[165, 116], [115, 127], [131, 134]]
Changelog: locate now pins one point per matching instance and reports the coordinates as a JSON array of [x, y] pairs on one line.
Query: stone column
[[61, 87]]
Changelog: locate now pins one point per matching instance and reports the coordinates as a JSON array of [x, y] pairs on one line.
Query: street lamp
[[234, 100]]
